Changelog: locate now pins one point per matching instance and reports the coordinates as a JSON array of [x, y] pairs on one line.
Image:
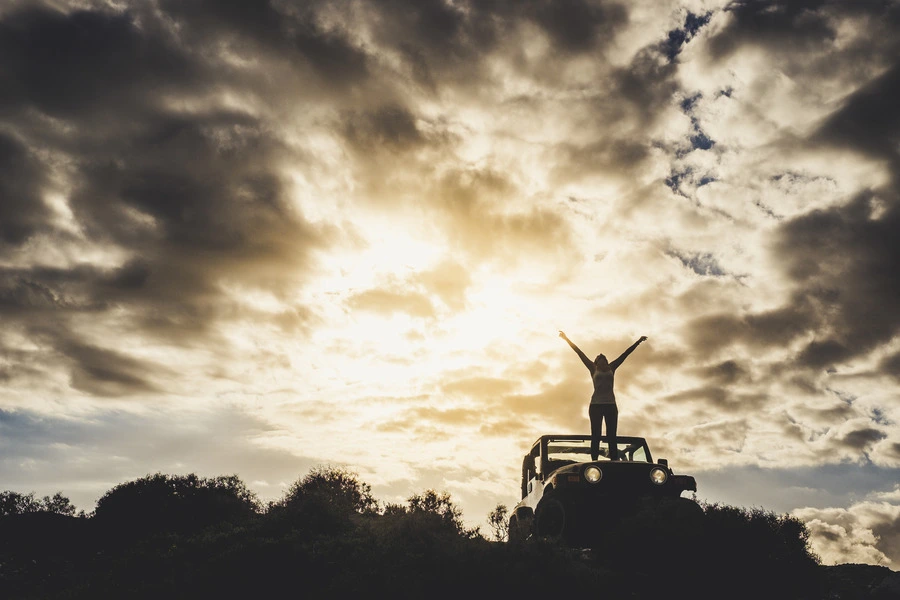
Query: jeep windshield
[[580, 451]]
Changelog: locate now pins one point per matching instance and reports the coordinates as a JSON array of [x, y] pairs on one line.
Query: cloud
[[866, 121], [850, 284], [392, 127], [23, 212], [789, 26], [423, 294], [166, 195], [866, 532], [387, 302]]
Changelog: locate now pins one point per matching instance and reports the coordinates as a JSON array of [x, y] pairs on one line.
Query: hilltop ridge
[[191, 537]]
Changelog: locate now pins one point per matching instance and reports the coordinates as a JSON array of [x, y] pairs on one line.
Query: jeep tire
[[550, 516]]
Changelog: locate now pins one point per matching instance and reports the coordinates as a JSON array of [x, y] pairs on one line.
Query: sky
[[253, 238]]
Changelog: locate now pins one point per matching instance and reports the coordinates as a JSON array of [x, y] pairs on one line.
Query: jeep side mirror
[[664, 462]]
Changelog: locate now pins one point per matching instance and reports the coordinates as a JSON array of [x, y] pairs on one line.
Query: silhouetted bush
[[335, 486], [323, 502], [751, 552], [14, 503], [498, 521], [438, 506], [763, 548], [174, 503]]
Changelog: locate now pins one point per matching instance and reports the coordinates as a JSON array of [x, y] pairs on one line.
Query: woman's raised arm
[[616, 363], [581, 355]]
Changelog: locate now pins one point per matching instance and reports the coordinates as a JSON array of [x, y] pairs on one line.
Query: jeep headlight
[[658, 476], [593, 474]]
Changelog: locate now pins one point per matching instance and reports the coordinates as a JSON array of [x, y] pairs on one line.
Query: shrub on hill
[[323, 502], [14, 503], [182, 504]]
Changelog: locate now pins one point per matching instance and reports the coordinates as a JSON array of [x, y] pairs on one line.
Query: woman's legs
[[612, 424], [595, 412]]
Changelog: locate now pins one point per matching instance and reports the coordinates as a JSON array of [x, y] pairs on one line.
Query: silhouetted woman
[[603, 400]]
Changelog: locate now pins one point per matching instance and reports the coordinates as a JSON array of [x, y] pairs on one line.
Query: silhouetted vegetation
[[14, 503], [165, 536], [177, 504]]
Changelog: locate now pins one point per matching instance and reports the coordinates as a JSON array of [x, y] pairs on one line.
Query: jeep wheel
[[550, 517], [515, 536]]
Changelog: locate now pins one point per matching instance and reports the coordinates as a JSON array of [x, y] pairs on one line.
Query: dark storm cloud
[[807, 41], [283, 30], [632, 100], [861, 439], [442, 40], [846, 262], [36, 291], [92, 106], [727, 372], [647, 84], [890, 365], [894, 451], [718, 397], [869, 120], [787, 25], [86, 63], [207, 183], [95, 370], [842, 263], [104, 372], [22, 210], [776, 327], [578, 25], [23, 290], [392, 127], [887, 533]]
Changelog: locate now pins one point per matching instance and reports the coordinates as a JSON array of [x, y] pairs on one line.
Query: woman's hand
[[562, 335], [643, 339]]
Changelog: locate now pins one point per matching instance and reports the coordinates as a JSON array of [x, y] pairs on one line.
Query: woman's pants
[[598, 412]]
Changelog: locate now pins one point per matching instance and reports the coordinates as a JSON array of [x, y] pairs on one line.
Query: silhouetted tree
[[497, 519], [174, 503], [439, 504], [328, 500], [58, 504], [14, 503], [768, 554], [336, 486]]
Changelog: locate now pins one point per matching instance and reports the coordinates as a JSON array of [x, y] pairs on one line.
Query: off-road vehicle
[[566, 494]]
